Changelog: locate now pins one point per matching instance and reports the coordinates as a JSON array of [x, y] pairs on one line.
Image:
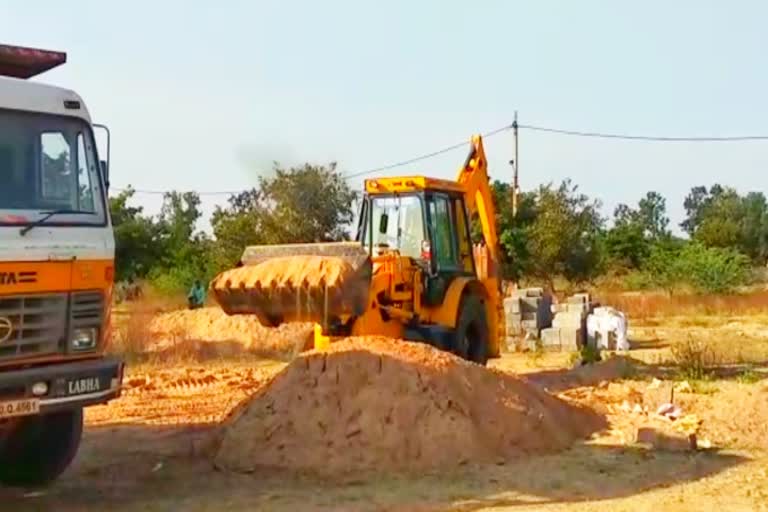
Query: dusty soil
[[153, 448], [184, 395], [374, 403], [225, 335]]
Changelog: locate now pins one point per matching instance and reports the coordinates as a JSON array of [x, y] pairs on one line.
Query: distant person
[[196, 296]]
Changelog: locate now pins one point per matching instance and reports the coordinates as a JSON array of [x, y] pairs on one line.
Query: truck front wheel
[[40, 448]]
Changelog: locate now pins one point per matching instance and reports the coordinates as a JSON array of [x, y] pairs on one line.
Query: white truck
[[56, 271]]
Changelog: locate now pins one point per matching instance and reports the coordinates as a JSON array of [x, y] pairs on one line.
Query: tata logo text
[[17, 278], [6, 329]]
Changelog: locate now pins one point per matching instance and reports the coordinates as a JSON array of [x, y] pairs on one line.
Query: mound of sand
[[215, 326], [377, 403]]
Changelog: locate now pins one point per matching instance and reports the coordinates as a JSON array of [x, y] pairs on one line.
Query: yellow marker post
[[322, 342]]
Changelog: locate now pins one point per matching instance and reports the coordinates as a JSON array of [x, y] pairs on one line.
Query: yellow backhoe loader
[[412, 272]]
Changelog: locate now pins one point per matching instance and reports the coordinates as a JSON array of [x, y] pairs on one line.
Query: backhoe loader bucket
[[297, 283]]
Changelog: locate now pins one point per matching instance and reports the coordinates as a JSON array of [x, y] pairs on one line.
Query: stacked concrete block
[[569, 324], [527, 312]]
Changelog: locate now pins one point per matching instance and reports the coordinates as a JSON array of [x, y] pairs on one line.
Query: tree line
[[310, 203], [558, 232]]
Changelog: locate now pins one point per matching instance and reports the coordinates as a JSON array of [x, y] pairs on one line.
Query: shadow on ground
[[625, 367], [148, 469]]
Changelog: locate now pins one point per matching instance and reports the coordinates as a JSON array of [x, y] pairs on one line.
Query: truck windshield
[[398, 223], [48, 163]]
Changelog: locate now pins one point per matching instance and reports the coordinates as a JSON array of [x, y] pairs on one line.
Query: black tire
[[40, 448], [471, 336]]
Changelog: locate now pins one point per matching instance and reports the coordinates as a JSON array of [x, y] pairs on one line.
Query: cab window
[[465, 244], [444, 250]]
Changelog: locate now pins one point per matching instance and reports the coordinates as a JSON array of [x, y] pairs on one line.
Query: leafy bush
[[692, 265], [639, 280], [713, 269], [748, 376]]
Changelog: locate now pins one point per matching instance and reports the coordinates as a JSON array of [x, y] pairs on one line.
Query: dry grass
[[157, 330], [132, 336], [650, 305], [131, 321], [130, 331], [696, 357]]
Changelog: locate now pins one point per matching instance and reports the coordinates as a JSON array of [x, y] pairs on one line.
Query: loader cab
[[423, 219]]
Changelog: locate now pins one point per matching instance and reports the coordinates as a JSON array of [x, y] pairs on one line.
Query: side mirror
[[383, 223], [105, 172], [104, 164]]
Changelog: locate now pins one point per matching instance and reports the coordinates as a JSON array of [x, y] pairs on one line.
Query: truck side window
[[84, 168], [444, 250]]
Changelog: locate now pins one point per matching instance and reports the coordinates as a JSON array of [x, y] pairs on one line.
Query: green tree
[[512, 231], [720, 217], [137, 238], [563, 239], [178, 216], [310, 203], [692, 264], [755, 226], [237, 226], [635, 231], [186, 251], [721, 221], [695, 204], [652, 216], [625, 243]]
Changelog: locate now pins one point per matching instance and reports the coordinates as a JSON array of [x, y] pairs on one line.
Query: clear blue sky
[[204, 95]]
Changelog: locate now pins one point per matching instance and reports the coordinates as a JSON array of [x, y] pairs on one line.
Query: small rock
[[666, 441], [655, 384]]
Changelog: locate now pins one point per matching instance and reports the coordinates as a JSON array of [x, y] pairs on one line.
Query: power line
[[544, 129], [425, 156], [162, 192], [350, 175], [650, 138]]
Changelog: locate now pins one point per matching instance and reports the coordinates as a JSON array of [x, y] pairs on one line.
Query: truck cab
[[56, 270]]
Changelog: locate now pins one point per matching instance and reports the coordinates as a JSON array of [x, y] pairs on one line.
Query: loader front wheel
[[471, 337]]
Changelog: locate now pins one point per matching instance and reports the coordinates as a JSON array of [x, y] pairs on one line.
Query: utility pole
[[515, 165]]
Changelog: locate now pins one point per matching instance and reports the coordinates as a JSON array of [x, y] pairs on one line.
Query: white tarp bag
[[622, 342], [603, 322], [594, 332]]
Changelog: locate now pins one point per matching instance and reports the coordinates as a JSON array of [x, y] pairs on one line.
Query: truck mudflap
[[66, 385]]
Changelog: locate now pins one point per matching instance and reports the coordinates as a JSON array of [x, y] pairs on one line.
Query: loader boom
[[478, 197]]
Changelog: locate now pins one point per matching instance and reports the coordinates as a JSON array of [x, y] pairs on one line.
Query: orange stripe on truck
[[22, 277]]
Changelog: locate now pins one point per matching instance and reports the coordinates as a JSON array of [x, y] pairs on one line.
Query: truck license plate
[[24, 407]]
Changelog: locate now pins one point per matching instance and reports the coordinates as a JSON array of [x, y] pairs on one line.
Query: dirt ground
[[151, 450]]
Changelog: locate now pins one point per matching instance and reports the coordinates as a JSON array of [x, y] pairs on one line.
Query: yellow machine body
[[420, 279]]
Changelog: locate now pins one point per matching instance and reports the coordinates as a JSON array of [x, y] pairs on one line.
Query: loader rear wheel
[[471, 337], [40, 448]]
